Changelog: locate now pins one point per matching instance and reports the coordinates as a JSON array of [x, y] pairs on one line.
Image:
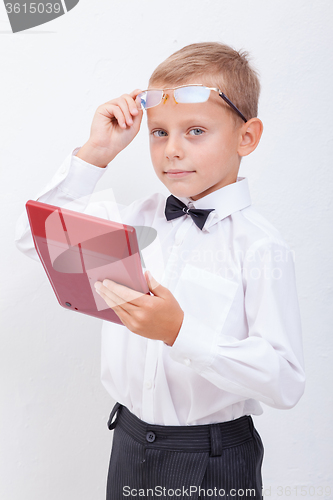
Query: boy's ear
[[250, 134]]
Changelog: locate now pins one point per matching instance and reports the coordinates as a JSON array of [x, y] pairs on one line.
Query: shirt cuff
[[80, 177], [195, 344]]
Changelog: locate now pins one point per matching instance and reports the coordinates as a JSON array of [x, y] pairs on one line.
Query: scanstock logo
[[24, 14]]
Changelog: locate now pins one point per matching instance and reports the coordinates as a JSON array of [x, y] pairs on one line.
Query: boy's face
[[194, 147]]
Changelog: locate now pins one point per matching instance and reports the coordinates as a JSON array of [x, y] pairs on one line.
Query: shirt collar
[[225, 201]]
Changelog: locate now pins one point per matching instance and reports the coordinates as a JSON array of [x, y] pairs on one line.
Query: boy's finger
[[123, 292], [110, 298], [133, 107], [155, 287], [134, 94], [118, 293], [116, 112], [124, 105], [120, 311], [120, 109]]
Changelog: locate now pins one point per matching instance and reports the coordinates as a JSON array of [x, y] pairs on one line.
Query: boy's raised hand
[[158, 316], [114, 126]]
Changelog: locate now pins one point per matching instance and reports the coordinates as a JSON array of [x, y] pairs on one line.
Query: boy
[[221, 331]]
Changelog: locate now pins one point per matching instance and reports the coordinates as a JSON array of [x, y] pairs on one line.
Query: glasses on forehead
[[191, 93]]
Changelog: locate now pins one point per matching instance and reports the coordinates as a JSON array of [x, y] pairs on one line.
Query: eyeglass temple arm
[[224, 97]]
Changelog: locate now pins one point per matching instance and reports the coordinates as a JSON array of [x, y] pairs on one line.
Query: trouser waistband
[[211, 438]]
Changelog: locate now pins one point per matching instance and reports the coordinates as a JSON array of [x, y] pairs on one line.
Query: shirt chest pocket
[[206, 296]]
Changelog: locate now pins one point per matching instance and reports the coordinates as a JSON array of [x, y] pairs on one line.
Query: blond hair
[[217, 65]]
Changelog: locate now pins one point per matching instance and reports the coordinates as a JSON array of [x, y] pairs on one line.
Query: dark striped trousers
[[217, 461]]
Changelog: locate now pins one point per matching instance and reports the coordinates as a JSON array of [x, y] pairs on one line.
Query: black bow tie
[[175, 208]]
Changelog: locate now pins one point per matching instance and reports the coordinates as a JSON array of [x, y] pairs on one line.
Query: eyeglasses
[[190, 93]]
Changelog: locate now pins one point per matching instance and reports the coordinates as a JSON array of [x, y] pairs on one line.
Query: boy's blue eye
[[160, 133], [196, 131]]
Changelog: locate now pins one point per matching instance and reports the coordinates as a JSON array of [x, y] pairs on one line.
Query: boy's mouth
[[178, 173]]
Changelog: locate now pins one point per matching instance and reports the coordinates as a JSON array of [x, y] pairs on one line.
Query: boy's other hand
[[158, 316], [114, 126]]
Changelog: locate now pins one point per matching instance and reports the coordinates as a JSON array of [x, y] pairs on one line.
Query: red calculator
[[77, 250]]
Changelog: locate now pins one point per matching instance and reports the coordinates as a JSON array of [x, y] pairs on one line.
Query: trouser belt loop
[[115, 409], [215, 440]]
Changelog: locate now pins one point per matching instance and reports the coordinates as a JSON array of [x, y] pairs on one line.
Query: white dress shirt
[[240, 342]]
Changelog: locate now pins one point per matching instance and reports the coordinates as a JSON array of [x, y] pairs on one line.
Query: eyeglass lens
[[149, 98], [191, 94]]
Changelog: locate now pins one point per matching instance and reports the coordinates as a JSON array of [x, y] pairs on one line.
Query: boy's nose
[[174, 149]]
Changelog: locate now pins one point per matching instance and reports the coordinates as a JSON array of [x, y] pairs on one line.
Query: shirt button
[[187, 362], [150, 436], [63, 170], [148, 384]]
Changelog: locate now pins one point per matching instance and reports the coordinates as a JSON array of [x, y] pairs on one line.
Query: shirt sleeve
[[75, 180], [268, 364]]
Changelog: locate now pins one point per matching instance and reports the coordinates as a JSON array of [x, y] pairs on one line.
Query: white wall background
[[54, 443]]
